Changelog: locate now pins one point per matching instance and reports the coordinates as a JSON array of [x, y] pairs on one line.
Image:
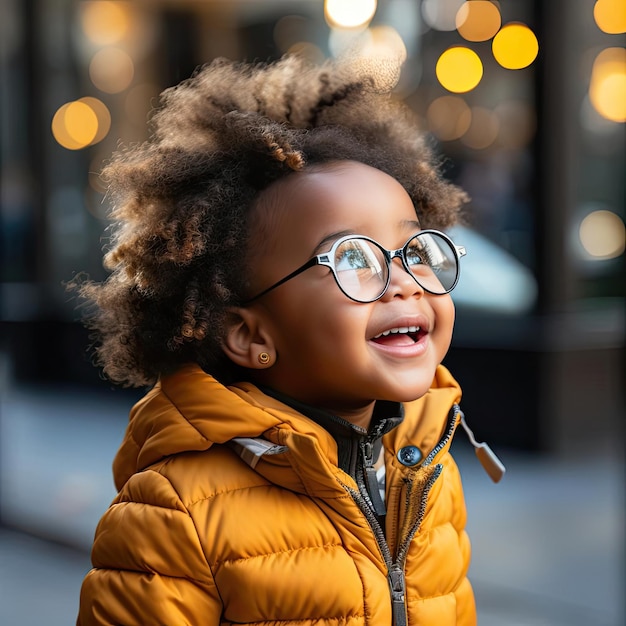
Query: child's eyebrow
[[411, 224], [331, 238]]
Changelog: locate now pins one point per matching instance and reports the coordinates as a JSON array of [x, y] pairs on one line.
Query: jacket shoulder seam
[[171, 401], [193, 521]]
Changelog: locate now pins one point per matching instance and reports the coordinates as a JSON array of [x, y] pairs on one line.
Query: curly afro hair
[[181, 201]]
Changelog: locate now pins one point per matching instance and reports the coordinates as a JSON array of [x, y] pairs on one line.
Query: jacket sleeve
[[148, 563]]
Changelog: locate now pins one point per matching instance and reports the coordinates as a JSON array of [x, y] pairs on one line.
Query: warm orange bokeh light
[[515, 46], [105, 22], [103, 116], [483, 130], [111, 70], [75, 125], [459, 69], [610, 16], [607, 89], [59, 131], [448, 117], [81, 123], [478, 20]]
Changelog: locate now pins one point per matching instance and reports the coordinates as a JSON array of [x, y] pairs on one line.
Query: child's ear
[[246, 341]]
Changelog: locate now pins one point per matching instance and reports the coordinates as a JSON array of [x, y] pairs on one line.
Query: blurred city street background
[[525, 102]]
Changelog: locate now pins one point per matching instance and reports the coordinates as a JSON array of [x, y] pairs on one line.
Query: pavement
[[548, 541]]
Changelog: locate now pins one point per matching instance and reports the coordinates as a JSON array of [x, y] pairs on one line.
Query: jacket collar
[[191, 411], [348, 436]]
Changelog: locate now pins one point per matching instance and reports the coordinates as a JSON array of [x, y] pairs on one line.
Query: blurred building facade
[[521, 98]]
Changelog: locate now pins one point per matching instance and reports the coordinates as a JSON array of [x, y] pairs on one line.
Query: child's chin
[[409, 395]]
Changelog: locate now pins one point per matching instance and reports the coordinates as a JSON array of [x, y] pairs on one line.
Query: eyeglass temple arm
[[460, 250], [309, 263]]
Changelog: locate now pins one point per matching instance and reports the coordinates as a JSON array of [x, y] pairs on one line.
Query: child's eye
[[427, 252], [351, 257], [417, 254]]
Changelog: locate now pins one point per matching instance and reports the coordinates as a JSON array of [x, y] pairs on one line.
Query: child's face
[[325, 346]]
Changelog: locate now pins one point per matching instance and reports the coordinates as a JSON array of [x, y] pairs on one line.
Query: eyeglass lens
[[362, 269]]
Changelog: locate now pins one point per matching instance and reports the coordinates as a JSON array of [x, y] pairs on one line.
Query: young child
[[277, 280]]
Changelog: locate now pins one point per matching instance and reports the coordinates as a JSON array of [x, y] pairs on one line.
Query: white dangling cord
[[487, 457]]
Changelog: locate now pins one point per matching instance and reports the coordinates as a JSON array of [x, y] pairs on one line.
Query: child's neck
[[336, 422], [359, 416]]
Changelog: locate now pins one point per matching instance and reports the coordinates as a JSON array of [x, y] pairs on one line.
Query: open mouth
[[403, 335]]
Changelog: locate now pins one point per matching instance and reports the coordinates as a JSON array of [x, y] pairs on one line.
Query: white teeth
[[399, 330]]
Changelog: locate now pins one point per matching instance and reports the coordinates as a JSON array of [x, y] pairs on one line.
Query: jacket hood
[[190, 411]]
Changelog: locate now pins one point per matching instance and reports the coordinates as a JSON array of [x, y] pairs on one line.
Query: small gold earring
[[264, 358]]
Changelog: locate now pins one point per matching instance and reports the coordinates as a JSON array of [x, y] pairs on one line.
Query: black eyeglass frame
[[327, 259]]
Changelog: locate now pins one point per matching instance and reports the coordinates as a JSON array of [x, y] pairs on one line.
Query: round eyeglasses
[[362, 267]]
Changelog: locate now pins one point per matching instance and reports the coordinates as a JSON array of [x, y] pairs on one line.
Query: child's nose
[[401, 282]]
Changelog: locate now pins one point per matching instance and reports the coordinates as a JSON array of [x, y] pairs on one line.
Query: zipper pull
[[370, 476], [487, 457], [397, 588]]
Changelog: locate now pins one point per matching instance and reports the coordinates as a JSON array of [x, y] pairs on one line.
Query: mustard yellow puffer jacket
[[266, 529]]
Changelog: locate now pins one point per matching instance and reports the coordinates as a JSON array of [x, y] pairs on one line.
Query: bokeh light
[[459, 69], [111, 70], [607, 88], [103, 116], [448, 117], [515, 46], [379, 49], [483, 130], [384, 42], [441, 14], [610, 16], [104, 23], [349, 13], [478, 20], [308, 51], [75, 125], [81, 122], [603, 235]]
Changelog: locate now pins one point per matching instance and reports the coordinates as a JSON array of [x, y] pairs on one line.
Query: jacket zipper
[[395, 573], [395, 569], [403, 548], [367, 481], [451, 427]]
